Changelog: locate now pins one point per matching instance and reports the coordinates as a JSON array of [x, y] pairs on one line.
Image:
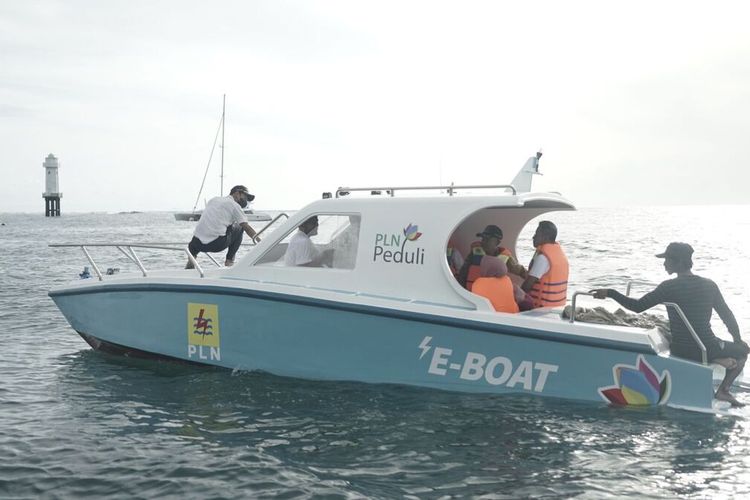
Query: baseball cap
[[242, 189], [491, 230], [677, 250]]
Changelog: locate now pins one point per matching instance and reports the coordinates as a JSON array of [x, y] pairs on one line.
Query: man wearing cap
[[489, 245], [697, 297], [221, 225]]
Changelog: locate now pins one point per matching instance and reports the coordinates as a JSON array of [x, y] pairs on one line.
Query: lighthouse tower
[[52, 192]]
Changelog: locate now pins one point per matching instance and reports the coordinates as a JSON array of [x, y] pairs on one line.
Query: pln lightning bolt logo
[[202, 325], [425, 346]]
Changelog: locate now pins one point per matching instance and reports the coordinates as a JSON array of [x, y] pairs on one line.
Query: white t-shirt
[[220, 213], [539, 266], [301, 250]]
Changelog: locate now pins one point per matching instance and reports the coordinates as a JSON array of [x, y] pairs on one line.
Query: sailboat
[[195, 214]]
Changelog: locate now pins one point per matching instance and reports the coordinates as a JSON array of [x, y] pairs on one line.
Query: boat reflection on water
[[381, 438]]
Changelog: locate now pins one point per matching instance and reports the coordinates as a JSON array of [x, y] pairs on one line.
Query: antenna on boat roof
[[522, 180]]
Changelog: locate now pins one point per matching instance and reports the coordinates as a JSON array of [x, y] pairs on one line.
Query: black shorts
[[724, 349]]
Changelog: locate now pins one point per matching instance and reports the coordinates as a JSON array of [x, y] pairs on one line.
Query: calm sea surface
[[75, 423]]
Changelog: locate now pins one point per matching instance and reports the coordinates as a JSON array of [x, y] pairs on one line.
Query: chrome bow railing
[[127, 249]]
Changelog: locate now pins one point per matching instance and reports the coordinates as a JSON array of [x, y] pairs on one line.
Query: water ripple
[[81, 424]]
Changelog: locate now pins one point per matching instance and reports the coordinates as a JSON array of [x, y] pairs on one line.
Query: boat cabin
[[394, 247]]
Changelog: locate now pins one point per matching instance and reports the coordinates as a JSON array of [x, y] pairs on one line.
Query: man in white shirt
[[302, 251], [547, 279], [221, 225]]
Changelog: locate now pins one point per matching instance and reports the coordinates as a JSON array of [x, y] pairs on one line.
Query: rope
[[620, 317]]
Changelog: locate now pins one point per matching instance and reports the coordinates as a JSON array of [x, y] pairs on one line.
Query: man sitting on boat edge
[[547, 279], [222, 224], [698, 297]]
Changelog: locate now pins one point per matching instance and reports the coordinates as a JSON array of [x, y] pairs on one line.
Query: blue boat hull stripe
[[468, 324]]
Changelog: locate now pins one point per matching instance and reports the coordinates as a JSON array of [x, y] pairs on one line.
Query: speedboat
[[386, 308]]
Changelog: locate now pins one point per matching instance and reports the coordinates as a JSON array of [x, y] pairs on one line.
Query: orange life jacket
[[475, 259], [552, 288], [499, 291]]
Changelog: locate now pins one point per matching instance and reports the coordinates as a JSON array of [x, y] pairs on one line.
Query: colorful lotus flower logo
[[637, 385], [412, 232]]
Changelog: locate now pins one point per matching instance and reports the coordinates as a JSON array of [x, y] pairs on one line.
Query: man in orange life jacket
[[547, 280], [488, 246]]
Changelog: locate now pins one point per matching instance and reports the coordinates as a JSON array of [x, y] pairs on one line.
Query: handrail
[[127, 250], [450, 189], [698, 341], [701, 346], [126, 254], [91, 261], [171, 245], [213, 260], [282, 214], [573, 304], [634, 282], [137, 261], [132, 255]]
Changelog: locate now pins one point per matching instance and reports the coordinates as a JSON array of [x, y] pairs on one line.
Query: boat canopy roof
[[397, 245]]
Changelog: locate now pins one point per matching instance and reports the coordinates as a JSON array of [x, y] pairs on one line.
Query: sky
[[632, 103]]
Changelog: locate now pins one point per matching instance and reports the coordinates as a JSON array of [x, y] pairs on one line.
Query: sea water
[[77, 423]]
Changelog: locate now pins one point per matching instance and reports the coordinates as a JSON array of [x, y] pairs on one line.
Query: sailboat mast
[[223, 117]]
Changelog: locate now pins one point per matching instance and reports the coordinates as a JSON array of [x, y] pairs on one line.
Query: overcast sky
[[633, 103]]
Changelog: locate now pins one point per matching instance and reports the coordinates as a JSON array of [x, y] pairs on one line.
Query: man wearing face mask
[[221, 225]]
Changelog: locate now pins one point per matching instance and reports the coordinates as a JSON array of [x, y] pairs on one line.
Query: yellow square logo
[[203, 324]]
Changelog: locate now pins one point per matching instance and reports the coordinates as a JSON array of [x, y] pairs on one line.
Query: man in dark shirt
[[489, 245], [697, 297]]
